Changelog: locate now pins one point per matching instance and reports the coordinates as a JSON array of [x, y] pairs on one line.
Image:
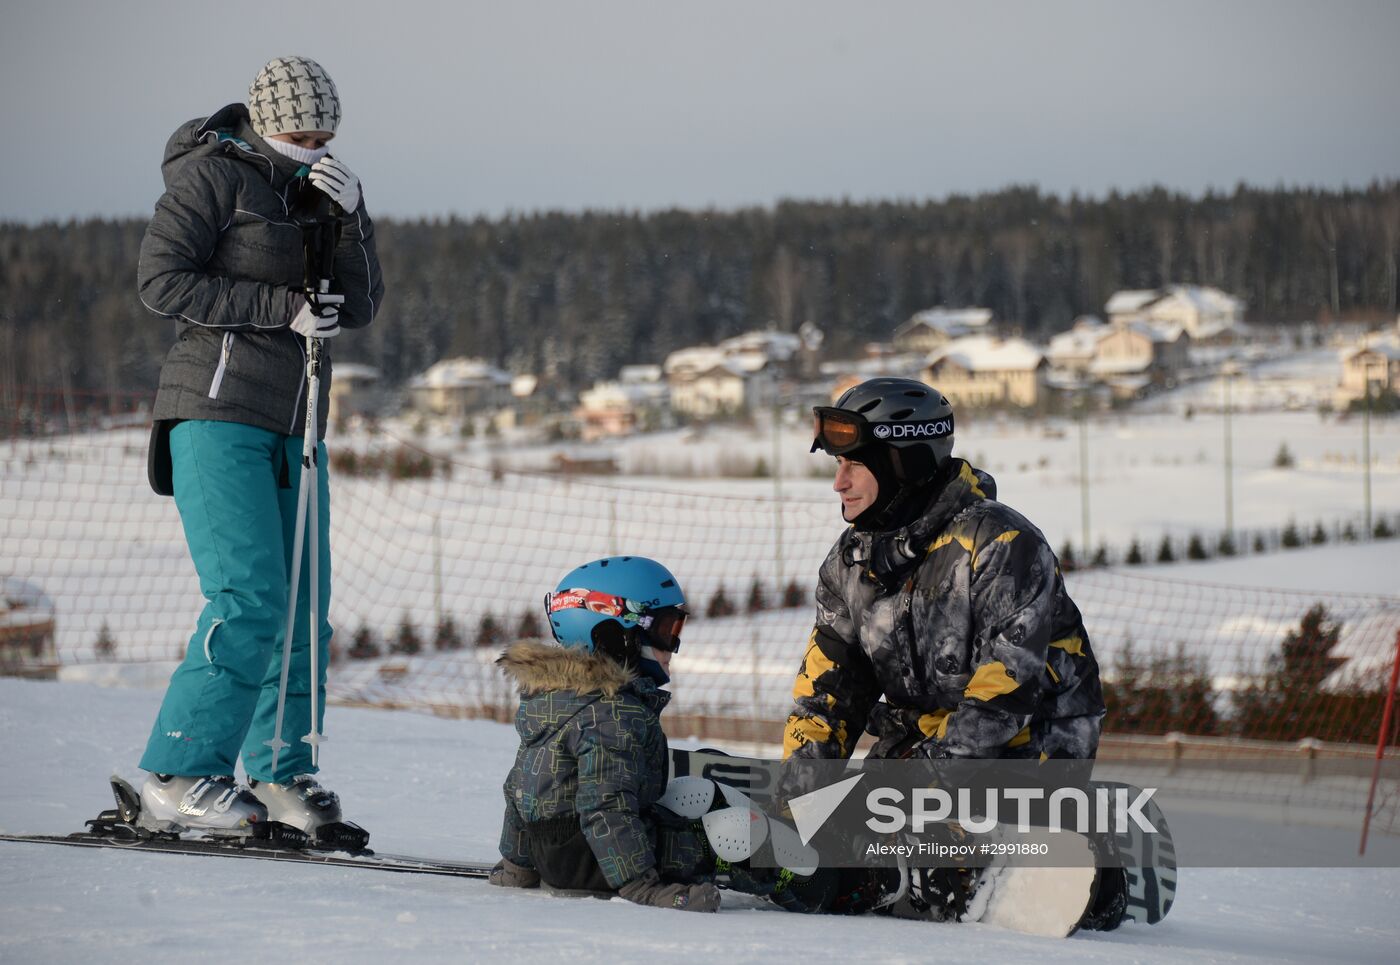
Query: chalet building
[[460, 387], [26, 626], [981, 371], [1375, 362], [1204, 313], [933, 328]]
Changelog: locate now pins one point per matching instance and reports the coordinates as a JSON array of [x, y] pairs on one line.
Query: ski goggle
[[666, 626], [839, 431], [663, 625]]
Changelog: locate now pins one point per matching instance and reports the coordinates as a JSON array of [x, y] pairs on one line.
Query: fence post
[[754, 675], [1307, 748], [1174, 742], [1380, 743]]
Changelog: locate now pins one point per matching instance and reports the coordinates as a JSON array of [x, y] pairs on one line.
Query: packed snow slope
[[430, 786]]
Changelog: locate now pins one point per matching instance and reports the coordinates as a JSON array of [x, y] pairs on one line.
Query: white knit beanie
[[293, 94]]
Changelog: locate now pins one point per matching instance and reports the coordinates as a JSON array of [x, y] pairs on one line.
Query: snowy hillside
[[430, 786]]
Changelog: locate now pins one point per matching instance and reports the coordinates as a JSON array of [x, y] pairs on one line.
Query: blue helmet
[[625, 590]]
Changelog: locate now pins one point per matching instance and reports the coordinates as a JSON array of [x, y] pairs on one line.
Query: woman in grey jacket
[[223, 256]]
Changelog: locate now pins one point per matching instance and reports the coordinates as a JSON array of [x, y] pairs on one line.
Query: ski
[[120, 828], [1150, 865], [401, 863]]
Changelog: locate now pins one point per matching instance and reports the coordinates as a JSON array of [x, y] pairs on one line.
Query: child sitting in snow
[[581, 801]]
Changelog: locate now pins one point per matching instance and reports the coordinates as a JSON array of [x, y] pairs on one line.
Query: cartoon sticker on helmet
[[595, 601]]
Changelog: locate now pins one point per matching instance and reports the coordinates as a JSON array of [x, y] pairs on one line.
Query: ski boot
[[302, 803], [216, 806]]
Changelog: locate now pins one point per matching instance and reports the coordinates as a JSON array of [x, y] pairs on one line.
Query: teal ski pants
[[236, 489]]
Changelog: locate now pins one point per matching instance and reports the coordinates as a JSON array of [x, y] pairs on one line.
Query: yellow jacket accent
[[1074, 645], [968, 476], [936, 723], [990, 680], [964, 541], [809, 730], [814, 664]]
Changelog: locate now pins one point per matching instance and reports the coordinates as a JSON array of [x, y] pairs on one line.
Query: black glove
[[647, 889], [508, 874]]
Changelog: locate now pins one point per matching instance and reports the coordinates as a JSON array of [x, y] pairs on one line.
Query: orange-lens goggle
[[837, 431]]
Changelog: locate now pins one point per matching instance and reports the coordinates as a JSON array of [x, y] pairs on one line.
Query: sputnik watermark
[[1108, 810]]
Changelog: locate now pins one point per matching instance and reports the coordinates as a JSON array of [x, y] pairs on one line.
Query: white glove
[[338, 181], [318, 316]]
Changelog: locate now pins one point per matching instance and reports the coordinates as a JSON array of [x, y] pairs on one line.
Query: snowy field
[[429, 786], [77, 519]]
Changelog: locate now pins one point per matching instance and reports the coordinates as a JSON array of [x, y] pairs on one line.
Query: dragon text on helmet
[[935, 429]]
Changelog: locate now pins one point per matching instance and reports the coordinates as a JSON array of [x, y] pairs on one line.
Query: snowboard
[[1149, 860]]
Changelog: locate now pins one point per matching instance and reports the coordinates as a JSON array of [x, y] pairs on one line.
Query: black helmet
[[907, 415]]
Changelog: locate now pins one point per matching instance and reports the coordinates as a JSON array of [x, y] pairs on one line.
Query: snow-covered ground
[[430, 786], [77, 520]]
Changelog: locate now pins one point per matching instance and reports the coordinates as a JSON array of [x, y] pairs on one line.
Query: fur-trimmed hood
[[536, 666], [557, 683]]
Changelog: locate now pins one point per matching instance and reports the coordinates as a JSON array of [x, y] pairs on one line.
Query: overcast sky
[[482, 108]]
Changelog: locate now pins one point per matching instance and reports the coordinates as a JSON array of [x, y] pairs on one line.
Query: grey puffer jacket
[[223, 256], [961, 622]]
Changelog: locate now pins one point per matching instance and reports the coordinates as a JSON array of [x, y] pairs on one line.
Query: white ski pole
[[314, 737], [308, 450]]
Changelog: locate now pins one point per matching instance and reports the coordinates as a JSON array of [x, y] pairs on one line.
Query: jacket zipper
[[223, 366]]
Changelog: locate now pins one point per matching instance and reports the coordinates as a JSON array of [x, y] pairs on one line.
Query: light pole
[[1084, 469], [1366, 452], [1228, 371], [778, 494]]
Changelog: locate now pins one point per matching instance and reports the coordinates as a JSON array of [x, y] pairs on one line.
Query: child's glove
[[647, 889], [508, 874]]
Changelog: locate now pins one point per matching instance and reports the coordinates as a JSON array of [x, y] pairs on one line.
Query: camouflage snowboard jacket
[[961, 622], [591, 750]]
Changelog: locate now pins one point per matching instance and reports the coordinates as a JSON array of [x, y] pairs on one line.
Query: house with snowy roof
[[718, 388], [1204, 313], [1128, 356], [460, 387], [933, 328], [760, 348], [1374, 363], [1071, 353], [355, 391], [619, 407], [979, 371], [738, 375], [26, 626]]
